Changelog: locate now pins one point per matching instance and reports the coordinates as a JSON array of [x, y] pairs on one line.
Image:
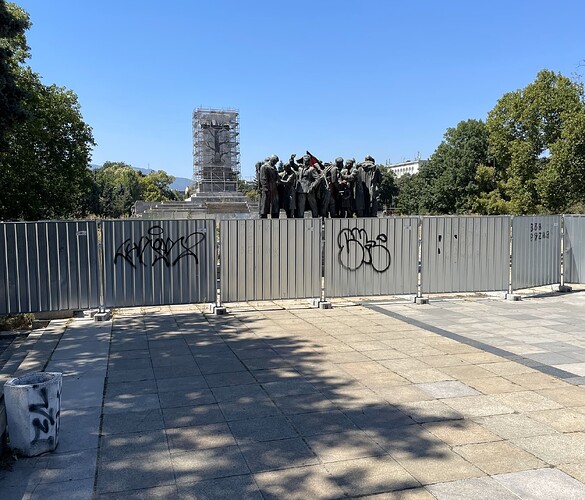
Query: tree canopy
[[447, 180], [528, 157], [388, 189], [117, 186], [534, 136], [47, 146], [14, 21]]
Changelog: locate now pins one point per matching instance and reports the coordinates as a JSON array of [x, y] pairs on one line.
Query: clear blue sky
[[340, 78]]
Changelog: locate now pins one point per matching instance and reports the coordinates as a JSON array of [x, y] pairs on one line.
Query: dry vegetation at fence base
[[12, 322]]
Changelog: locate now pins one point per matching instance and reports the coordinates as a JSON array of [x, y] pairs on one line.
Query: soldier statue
[[334, 179], [322, 188], [267, 185], [372, 180], [288, 181], [356, 180], [346, 189], [306, 184]]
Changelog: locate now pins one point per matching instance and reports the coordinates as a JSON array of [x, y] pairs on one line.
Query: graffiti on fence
[[48, 423], [356, 249], [440, 239], [162, 248], [537, 233]]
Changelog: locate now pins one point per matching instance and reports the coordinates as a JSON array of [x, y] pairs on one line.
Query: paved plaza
[[457, 399]]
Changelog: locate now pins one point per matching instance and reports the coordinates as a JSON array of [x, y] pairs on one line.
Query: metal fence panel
[[48, 266], [267, 259], [371, 256], [149, 262], [574, 249], [536, 251], [465, 254]]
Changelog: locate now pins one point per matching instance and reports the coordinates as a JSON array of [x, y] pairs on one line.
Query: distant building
[[406, 167]]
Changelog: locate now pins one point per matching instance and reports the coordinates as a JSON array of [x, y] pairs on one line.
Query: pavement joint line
[[101, 420], [568, 377]]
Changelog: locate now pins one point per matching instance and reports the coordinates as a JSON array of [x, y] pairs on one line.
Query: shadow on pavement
[[255, 405]]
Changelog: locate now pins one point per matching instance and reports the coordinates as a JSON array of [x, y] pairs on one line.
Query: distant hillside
[[180, 182]]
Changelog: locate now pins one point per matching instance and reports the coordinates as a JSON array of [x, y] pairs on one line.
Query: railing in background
[[48, 266]]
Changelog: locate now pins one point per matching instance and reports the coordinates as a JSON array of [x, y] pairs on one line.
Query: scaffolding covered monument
[[216, 150], [216, 170]]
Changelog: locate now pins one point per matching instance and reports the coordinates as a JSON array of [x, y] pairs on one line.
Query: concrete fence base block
[[562, 288], [218, 310], [102, 316], [50, 315], [421, 300], [513, 297], [33, 409], [321, 304]]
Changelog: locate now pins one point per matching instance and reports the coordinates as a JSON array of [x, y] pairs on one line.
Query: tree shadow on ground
[[265, 404]]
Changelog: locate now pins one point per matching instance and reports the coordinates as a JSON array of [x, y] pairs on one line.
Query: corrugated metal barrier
[[148, 262], [48, 266], [465, 254], [536, 251], [57, 265], [267, 259], [371, 256], [574, 249]]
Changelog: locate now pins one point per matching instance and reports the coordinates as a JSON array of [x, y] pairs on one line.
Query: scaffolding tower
[[216, 150]]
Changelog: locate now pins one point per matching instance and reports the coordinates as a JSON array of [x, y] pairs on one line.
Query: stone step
[[227, 207]]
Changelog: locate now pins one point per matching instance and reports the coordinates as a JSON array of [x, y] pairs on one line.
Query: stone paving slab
[[543, 484], [313, 481], [289, 403], [477, 488]]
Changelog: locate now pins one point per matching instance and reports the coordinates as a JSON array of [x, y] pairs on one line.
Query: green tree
[[448, 179], [408, 201], [250, 189], [388, 189], [532, 133], [44, 170], [13, 51], [156, 186], [44, 166], [490, 198], [117, 186], [117, 189]]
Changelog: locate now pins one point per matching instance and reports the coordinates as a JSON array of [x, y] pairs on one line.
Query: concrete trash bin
[[33, 407]]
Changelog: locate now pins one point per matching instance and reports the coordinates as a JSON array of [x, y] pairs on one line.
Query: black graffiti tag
[[162, 248], [357, 249], [48, 416]]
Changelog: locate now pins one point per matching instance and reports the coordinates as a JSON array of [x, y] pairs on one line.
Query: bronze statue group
[[338, 189]]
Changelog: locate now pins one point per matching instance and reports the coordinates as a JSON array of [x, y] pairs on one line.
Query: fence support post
[[216, 307], [510, 294], [562, 287], [323, 303], [103, 314], [419, 299]]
